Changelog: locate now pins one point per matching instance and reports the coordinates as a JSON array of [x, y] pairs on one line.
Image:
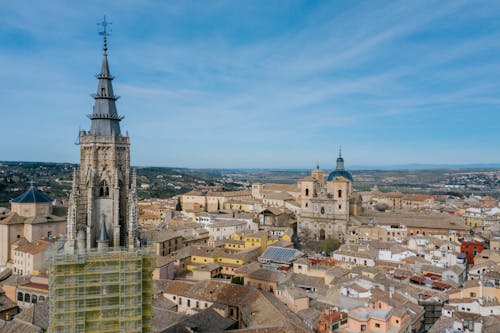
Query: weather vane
[[104, 32]]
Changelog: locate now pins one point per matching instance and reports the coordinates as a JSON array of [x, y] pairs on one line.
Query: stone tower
[[104, 187]]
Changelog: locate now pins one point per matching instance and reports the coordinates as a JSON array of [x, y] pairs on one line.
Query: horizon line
[[355, 167]]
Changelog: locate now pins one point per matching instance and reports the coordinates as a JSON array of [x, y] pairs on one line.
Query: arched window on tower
[[103, 189], [340, 193], [307, 192]]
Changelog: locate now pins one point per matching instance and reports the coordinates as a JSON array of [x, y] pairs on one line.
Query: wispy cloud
[[277, 85]]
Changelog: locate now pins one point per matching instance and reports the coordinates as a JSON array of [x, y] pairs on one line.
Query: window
[[173, 298], [20, 296], [34, 299], [206, 305], [180, 300], [197, 304], [49, 234], [363, 328], [377, 325], [27, 298], [41, 299], [397, 321], [472, 294], [307, 192], [340, 193], [103, 189], [189, 302]]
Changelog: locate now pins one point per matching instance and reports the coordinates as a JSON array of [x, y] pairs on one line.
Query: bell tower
[[103, 201]]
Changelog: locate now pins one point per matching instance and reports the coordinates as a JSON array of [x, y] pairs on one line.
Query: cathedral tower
[[102, 280], [104, 187]]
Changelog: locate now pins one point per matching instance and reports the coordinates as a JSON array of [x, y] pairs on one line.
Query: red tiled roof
[[441, 285], [433, 276], [417, 279], [34, 285]]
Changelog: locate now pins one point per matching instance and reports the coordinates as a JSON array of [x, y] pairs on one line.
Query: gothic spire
[[105, 118], [103, 237]]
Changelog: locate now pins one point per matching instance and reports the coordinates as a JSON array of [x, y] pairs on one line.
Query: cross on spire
[[340, 151], [104, 32]]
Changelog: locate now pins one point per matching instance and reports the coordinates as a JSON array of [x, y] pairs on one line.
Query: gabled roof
[[37, 314], [207, 320], [208, 290], [32, 195], [265, 274], [33, 248]]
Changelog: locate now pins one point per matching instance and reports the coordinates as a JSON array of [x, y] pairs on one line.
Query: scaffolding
[[101, 291]]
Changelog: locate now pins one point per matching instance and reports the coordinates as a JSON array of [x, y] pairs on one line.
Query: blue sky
[[277, 84]]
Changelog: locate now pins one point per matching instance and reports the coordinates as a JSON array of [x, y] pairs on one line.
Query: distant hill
[[416, 166]]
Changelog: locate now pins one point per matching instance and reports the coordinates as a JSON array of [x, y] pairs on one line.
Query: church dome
[[339, 173], [32, 195], [339, 170]]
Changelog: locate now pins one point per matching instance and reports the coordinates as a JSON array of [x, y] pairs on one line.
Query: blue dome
[[340, 173], [32, 195]]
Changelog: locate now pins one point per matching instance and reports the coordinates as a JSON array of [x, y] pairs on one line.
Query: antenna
[[104, 32]]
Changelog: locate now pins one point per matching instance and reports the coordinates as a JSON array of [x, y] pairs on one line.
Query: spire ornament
[[105, 33]]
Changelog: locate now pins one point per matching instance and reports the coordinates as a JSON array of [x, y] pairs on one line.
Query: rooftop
[[280, 254], [32, 195]]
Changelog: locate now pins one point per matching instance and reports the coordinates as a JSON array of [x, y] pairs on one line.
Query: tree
[[381, 207], [329, 245], [238, 280], [178, 207]]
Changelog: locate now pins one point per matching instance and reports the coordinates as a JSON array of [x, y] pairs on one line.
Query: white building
[[29, 259], [356, 258], [220, 230]]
